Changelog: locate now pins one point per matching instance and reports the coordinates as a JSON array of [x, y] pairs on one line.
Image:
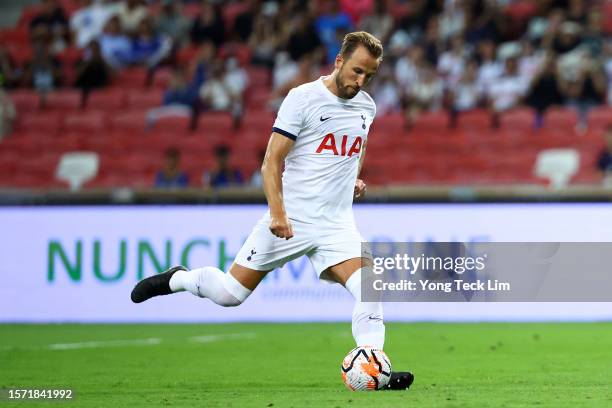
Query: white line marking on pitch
[[211, 338], [108, 343], [153, 341]]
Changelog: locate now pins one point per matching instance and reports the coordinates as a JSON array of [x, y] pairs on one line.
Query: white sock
[[210, 282], [368, 325]]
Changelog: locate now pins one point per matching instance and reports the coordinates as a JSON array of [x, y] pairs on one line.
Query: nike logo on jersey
[[322, 119]]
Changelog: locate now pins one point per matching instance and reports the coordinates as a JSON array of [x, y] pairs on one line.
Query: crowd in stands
[[440, 55]]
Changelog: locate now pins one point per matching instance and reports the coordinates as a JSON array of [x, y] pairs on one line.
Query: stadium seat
[[77, 167], [560, 118], [63, 100], [130, 120], [111, 99], [90, 122], [25, 100], [600, 117], [131, 78], [557, 165], [144, 99], [49, 122]]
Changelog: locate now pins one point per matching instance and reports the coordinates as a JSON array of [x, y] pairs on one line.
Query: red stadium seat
[[215, 125], [63, 100], [600, 117], [141, 99], [133, 120], [108, 100], [131, 78], [560, 118], [26, 100], [86, 122], [48, 122]]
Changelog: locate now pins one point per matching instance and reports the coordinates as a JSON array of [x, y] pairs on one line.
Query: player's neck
[[330, 83]]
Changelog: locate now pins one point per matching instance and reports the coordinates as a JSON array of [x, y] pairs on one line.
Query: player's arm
[[360, 186], [271, 171]]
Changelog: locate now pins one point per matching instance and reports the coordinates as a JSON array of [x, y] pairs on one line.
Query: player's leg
[[260, 253], [367, 323], [224, 289], [368, 326]]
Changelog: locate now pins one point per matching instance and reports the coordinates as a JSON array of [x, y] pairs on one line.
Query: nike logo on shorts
[[322, 119]]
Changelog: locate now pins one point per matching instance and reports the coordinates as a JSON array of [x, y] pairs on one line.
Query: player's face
[[355, 72]]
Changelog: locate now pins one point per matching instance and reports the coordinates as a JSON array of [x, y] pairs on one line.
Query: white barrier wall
[[79, 264]]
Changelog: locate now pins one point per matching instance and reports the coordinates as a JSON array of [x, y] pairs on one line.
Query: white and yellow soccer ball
[[366, 369]]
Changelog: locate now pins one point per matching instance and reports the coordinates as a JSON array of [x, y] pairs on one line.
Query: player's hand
[[360, 188], [281, 227]]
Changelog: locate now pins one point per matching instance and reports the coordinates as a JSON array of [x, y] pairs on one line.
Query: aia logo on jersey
[[329, 143]]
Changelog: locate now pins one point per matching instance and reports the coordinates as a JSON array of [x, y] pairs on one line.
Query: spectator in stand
[[331, 24], [593, 37], [379, 22], [385, 92], [171, 176], [408, 66], [148, 47], [466, 95], [508, 91], [181, 97], [223, 91], [245, 21], [452, 20], [172, 23], [585, 90], [131, 13], [307, 71], [490, 69], [607, 65], [451, 63], [51, 26], [423, 95], [531, 60], [43, 71], [88, 22], [568, 39], [304, 39], [544, 90], [208, 25], [115, 45], [7, 113], [264, 40], [10, 76], [92, 71], [223, 175]]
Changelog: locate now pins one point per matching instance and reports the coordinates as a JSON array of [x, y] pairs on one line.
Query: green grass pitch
[[298, 365]]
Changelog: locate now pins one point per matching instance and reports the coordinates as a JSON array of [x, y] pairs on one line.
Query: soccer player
[[320, 136]]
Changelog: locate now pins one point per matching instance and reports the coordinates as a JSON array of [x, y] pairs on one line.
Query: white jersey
[[321, 168]]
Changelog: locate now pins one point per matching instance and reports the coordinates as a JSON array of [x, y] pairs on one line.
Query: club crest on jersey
[[329, 143]]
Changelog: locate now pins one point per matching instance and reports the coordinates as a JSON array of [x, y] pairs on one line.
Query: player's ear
[[338, 62]]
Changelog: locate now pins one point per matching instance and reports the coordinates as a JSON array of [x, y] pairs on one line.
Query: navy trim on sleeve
[[284, 133]]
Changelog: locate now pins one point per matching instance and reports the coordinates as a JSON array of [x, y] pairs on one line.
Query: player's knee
[[228, 300]]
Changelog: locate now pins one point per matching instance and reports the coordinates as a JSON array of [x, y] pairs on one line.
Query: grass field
[[297, 365]]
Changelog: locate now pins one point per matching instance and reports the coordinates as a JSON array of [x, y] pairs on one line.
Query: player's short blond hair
[[353, 40]]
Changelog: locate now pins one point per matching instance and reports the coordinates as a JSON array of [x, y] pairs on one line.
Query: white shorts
[[324, 246]]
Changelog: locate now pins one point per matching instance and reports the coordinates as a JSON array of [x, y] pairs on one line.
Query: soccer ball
[[366, 368]]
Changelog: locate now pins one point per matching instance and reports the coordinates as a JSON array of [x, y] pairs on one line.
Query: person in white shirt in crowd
[[131, 13], [451, 63], [223, 91], [490, 68], [466, 94], [507, 91], [424, 95], [88, 22]]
